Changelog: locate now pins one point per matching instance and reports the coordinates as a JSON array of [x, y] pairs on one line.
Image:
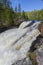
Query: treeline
[[35, 15], [10, 17]]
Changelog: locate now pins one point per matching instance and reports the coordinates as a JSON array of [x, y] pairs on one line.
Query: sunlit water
[[15, 43]]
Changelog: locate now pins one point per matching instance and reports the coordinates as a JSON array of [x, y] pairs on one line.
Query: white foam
[[13, 38]]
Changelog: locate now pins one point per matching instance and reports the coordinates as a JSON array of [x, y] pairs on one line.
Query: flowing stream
[[15, 43]]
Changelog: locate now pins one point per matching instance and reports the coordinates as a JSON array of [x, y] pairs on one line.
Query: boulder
[[41, 28]]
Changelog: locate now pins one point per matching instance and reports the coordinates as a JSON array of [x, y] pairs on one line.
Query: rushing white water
[[15, 43], [24, 24]]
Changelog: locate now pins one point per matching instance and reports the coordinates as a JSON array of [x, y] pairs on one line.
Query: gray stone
[[25, 61]]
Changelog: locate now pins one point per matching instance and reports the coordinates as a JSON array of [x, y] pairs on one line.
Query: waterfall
[[15, 43], [24, 24]]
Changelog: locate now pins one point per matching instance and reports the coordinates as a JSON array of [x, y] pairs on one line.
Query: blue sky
[[28, 5]]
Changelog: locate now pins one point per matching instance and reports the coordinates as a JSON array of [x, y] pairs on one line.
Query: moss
[[18, 47], [42, 22], [32, 57]]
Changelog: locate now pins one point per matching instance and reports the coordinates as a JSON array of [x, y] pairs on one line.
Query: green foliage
[[6, 16], [35, 15], [5, 13], [10, 17], [24, 16], [6, 3]]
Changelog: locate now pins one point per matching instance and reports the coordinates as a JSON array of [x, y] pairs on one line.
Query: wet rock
[[25, 61], [39, 54], [36, 44], [40, 27], [37, 48]]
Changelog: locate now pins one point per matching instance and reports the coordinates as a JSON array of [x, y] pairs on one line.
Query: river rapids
[[16, 42]]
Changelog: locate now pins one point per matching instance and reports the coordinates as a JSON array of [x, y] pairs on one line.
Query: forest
[[10, 17]]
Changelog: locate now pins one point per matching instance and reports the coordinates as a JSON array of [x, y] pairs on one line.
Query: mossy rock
[[32, 57]]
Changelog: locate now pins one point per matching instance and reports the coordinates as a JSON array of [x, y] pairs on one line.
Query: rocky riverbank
[[19, 46], [36, 51]]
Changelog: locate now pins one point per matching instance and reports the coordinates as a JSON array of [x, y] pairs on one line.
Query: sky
[[28, 5]]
